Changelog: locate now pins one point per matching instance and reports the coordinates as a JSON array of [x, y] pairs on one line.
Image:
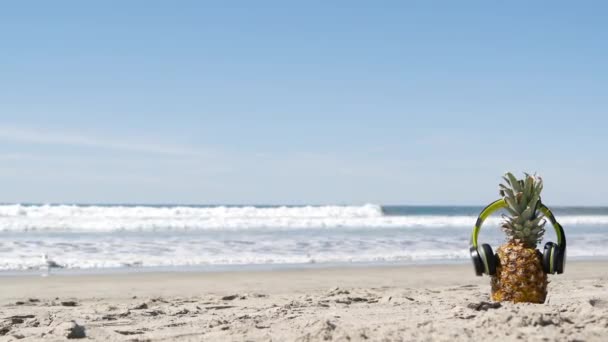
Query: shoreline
[[413, 302], [270, 267], [300, 279], [237, 268]]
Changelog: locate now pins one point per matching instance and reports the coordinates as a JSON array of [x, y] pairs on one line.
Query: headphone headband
[[500, 204]]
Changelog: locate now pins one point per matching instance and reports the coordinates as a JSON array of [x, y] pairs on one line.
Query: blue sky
[[398, 102]]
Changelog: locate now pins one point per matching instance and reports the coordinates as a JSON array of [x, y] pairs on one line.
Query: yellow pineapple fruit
[[519, 274]]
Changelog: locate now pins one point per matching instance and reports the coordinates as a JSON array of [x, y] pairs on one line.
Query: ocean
[[173, 237]]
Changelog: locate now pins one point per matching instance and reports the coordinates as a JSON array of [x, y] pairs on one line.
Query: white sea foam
[[145, 218], [136, 236], [112, 258]]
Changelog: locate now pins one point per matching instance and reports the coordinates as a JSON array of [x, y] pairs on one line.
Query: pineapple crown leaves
[[523, 222]]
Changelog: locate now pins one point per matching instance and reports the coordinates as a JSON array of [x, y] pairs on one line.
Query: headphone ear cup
[[560, 260], [488, 258], [551, 258], [477, 263]]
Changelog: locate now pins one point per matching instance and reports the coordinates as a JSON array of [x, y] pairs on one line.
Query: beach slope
[[405, 303]]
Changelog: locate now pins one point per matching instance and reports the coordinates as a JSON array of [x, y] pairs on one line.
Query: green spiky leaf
[[514, 182], [523, 221]]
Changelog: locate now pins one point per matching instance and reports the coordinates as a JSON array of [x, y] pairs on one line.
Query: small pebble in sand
[[141, 306], [69, 303], [483, 306], [230, 297], [69, 330]]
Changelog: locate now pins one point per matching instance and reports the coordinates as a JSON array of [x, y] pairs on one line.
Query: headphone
[[485, 261]]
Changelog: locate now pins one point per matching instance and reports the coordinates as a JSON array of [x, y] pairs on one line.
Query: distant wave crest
[[147, 218]]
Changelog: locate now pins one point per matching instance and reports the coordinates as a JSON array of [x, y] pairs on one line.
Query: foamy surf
[[96, 236], [74, 218]]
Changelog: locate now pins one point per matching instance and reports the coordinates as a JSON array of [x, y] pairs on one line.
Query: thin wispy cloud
[[29, 135]]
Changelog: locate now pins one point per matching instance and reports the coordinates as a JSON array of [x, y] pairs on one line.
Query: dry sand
[[406, 303]]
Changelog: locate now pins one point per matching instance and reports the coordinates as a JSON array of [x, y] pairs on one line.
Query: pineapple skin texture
[[519, 275]]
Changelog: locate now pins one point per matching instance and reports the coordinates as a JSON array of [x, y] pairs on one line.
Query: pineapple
[[519, 274]]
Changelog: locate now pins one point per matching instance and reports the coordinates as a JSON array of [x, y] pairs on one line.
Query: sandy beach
[[404, 303]]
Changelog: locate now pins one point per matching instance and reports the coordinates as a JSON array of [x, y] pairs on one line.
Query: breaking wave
[[49, 218]]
